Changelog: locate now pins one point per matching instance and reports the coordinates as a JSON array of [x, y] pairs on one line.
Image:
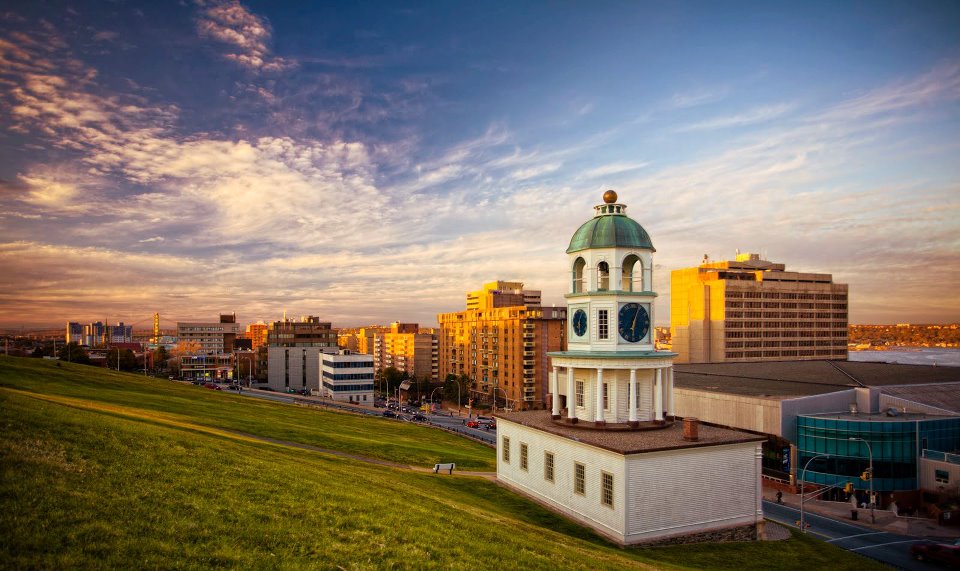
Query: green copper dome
[[608, 230]]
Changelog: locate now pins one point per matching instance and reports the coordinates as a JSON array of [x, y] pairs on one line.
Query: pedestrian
[[779, 497]]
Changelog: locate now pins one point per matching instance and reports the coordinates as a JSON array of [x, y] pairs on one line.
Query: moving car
[[937, 552], [389, 414], [212, 386], [417, 417]]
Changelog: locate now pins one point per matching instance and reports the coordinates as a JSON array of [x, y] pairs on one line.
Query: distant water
[[911, 356]]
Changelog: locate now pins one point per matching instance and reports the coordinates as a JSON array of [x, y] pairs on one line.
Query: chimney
[[691, 428]]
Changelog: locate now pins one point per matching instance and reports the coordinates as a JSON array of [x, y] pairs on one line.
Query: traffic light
[[866, 475], [848, 488]]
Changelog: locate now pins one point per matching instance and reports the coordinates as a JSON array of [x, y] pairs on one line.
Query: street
[[886, 547]]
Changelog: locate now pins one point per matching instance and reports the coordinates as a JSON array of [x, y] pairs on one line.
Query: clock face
[[633, 322], [580, 322]]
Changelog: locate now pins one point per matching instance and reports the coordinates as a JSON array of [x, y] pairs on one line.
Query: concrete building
[[608, 453], [293, 353], [909, 416], [502, 348], [210, 345], [754, 310], [347, 377]]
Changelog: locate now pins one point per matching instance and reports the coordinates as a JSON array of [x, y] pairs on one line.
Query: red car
[[473, 424], [213, 387], [937, 552]]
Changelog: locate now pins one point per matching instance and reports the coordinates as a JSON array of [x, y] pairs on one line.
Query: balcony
[[529, 398], [528, 326], [529, 353], [528, 345], [528, 335], [529, 362]]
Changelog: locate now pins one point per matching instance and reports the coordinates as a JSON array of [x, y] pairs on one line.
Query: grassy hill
[[102, 469]]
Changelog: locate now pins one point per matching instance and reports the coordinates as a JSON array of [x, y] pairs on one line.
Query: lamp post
[[506, 399], [433, 392], [802, 473], [873, 518]]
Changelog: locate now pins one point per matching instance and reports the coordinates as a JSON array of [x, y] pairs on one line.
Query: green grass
[[107, 476]]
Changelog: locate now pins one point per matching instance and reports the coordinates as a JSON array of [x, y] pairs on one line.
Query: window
[[606, 489], [631, 277], [603, 276], [602, 324], [579, 478], [606, 397], [579, 395], [506, 449], [942, 476], [578, 285], [523, 456], [548, 466]]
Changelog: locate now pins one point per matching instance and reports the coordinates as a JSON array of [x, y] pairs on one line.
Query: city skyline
[[374, 163]]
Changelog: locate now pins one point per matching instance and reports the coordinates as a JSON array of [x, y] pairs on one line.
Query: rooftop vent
[[853, 408], [893, 412]]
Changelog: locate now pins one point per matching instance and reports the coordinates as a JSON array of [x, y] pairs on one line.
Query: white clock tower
[[613, 373]]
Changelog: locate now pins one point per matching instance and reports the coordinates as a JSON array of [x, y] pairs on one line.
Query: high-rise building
[[750, 309], [257, 334], [293, 352], [502, 348], [97, 334], [407, 348]]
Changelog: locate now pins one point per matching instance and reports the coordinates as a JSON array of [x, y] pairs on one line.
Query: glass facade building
[[896, 442]]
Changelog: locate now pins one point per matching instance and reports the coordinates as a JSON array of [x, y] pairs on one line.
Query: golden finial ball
[[610, 197]]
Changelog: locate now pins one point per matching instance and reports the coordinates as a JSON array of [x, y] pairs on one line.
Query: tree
[[74, 353], [394, 377], [128, 361], [450, 392], [160, 357]]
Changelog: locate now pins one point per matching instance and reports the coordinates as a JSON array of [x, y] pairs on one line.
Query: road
[[890, 548], [452, 423]]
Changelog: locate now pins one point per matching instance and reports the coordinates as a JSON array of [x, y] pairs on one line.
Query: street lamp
[[873, 518], [433, 392], [506, 399], [802, 472]]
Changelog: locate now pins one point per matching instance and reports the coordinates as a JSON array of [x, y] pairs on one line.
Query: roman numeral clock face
[[633, 322]]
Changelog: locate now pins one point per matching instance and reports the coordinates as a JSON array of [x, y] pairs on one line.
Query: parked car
[[291, 390], [937, 553], [213, 386], [419, 417], [389, 414], [473, 424]]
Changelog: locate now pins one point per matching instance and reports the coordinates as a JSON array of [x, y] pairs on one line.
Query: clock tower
[[613, 373]]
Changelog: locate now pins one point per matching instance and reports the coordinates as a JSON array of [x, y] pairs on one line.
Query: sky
[[370, 162]]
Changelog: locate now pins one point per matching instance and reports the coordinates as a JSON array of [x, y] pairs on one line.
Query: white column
[[555, 390], [633, 395], [571, 396], [599, 415], [670, 410], [658, 395]]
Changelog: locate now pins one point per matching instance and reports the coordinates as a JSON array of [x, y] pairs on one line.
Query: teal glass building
[[897, 441]]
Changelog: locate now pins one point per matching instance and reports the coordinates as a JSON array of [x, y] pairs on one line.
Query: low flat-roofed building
[[793, 402]]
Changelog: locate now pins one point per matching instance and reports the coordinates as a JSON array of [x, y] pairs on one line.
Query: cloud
[[245, 34], [698, 97], [751, 117], [154, 239]]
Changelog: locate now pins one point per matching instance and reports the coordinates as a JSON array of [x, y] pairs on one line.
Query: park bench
[[449, 467]]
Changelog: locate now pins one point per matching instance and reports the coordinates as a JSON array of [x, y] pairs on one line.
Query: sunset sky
[[374, 161]]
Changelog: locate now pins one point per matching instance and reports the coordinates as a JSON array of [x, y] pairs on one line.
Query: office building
[[754, 310], [609, 453], [97, 334], [347, 377], [293, 353], [502, 348], [208, 348]]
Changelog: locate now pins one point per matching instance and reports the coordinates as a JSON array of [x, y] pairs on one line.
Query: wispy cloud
[[247, 35], [698, 97], [751, 117]]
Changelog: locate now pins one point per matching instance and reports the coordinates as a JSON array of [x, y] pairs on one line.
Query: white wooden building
[[608, 453]]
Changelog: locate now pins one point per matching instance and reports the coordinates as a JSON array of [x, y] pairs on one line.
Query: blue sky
[[372, 162]]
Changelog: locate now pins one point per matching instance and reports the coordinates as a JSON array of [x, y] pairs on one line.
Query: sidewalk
[[885, 520]]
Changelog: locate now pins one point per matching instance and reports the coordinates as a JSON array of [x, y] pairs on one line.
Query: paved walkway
[[885, 520]]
